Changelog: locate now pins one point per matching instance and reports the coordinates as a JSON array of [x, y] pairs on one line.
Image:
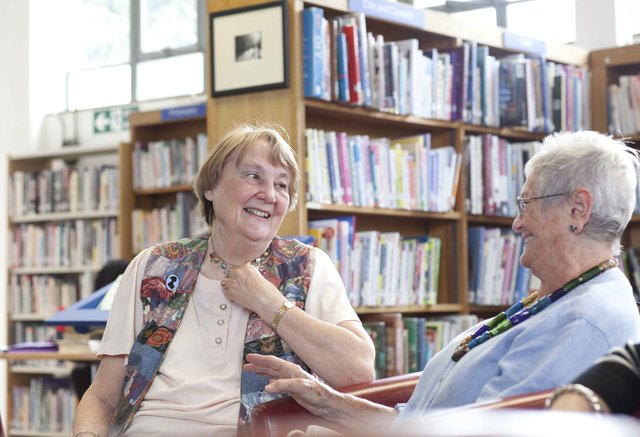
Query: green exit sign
[[112, 120]]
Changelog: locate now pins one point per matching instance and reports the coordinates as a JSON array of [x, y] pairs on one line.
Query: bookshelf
[[607, 67], [296, 114], [64, 199], [166, 149]]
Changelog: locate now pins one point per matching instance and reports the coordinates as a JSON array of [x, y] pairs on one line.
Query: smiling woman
[[187, 313]]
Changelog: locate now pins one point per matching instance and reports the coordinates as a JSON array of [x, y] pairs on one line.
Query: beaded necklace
[[225, 266], [523, 310]]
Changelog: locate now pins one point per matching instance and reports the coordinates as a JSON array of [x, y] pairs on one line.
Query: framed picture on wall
[[248, 49]]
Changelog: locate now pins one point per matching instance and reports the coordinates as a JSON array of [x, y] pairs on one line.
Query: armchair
[[276, 418], [279, 417]]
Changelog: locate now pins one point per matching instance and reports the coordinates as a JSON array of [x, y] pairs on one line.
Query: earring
[[572, 228]]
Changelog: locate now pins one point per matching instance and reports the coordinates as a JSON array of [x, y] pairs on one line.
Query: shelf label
[[403, 14], [523, 43], [112, 120], [198, 110]]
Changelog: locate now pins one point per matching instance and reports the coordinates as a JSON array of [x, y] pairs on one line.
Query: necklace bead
[[523, 310], [226, 267]]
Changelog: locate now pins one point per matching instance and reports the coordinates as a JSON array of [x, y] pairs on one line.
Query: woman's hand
[[245, 286], [315, 396]]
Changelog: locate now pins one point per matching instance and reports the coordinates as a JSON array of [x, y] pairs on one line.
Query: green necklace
[[523, 310]]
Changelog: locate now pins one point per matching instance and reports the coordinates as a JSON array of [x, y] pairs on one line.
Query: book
[[411, 327], [376, 330], [349, 29], [312, 51], [394, 340]]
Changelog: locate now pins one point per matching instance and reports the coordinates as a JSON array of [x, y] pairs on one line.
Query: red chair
[[277, 418]]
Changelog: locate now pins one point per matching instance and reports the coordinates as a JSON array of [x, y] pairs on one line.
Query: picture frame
[[249, 49]]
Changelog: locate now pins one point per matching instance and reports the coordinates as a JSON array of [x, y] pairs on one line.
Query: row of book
[[42, 294], [168, 223], [68, 189], [343, 62], [495, 274], [380, 268], [405, 344], [69, 243], [46, 404], [31, 332], [495, 173], [160, 164], [402, 173], [624, 105]]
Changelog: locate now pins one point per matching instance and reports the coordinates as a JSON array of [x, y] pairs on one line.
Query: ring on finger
[[223, 284]]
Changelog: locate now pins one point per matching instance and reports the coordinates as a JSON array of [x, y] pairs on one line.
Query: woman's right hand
[[312, 394]]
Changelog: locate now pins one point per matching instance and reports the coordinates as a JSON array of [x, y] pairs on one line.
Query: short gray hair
[[605, 166]]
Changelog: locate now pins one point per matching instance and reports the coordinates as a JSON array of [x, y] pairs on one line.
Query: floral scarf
[[169, 280]]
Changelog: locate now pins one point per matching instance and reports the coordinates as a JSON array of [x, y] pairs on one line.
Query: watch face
[[289, 304]]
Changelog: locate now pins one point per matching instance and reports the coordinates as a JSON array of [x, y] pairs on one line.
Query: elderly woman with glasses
[[579, 195]]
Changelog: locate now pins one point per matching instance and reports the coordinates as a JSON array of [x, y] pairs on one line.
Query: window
[[525, 17], [483, 15], [134, 50], [533, 19]]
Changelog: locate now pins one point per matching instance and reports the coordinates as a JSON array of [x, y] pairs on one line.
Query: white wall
[[14, 133]]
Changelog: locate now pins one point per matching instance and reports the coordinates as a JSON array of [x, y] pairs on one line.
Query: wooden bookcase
[[295, 113], [606, 66], [154, 126], [32, 264]]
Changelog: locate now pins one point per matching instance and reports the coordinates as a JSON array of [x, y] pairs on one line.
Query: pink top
[[197, 389]]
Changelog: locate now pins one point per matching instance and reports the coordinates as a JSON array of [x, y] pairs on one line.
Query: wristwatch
[[286, 306]]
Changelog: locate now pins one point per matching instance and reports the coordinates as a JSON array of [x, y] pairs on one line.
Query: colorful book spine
[[312, 51], [353, 63]]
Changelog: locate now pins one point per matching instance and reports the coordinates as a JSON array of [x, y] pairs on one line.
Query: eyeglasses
[[523, 201]]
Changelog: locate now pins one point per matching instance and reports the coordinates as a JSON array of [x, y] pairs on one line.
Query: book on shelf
[[46, 404], [466, 82], [403, 173], [64, 244], [385, 269], [394, 341], [495, 274], [377, 74], [60, 190], [167, 163], [376, 330], [335, 236], [412, 334], [409, 76], [313, 48], [495, 173], [409, 342], [167, 223]]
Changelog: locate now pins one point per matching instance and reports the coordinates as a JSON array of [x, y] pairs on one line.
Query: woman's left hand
[[306, 390], [245, 286]]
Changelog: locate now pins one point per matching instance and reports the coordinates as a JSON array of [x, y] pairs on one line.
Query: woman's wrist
[[587, 396]]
